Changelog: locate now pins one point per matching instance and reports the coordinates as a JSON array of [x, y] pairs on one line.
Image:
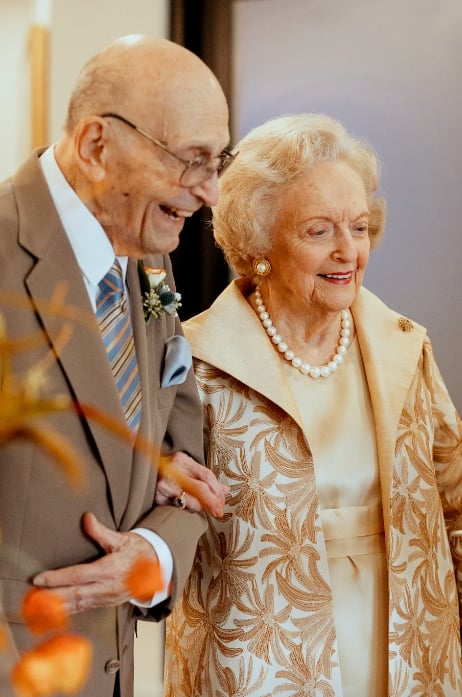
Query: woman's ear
[[91, 147]]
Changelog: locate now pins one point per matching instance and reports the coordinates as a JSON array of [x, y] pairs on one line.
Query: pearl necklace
[[305, 368]]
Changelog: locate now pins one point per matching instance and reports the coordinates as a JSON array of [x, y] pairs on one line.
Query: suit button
[[111, 666]]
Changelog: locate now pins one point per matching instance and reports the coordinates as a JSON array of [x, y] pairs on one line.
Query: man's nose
[[207, 190]]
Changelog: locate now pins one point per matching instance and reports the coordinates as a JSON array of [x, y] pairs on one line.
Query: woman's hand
[[185, 483]]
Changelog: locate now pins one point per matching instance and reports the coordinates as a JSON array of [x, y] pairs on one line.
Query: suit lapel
[[147, 362], [239, 347], [82, 357]]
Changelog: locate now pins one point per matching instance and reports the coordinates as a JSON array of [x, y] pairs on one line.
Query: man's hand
[[100, 583], [179, 475]]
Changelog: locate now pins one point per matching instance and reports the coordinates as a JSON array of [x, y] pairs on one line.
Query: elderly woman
[[331, 572]]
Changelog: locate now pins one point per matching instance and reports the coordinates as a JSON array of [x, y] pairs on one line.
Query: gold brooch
[[405, 324]]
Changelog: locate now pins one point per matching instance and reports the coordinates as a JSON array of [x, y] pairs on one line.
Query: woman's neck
[[312, 332]]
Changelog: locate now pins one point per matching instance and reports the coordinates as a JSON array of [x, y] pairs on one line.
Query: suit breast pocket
[[166, 397]]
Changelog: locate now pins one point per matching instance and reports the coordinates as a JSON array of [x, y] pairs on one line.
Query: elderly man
[[144, 141]]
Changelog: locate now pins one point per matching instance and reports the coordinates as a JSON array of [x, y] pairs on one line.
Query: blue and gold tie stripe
[[113, 315]]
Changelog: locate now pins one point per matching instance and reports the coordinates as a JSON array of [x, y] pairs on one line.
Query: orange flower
[[60, 664], [3, 638], [21, 403], [43, 610], [144, 579]]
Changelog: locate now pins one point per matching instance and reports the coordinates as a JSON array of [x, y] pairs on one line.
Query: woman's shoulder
[[221, 321], [371, 308]]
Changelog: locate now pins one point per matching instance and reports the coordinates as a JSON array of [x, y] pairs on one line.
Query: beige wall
[[15, 16], [77, 30], [80, 28]]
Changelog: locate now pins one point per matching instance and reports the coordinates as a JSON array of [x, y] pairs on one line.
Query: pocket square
[[177, 362]]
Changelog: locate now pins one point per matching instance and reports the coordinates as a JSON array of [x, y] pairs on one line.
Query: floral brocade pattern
[[424, 625], [256, 618]]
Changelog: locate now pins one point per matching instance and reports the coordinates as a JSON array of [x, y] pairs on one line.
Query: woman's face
[[321, 241]]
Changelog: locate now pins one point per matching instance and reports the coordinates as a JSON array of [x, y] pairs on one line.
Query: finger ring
[[180, 501]]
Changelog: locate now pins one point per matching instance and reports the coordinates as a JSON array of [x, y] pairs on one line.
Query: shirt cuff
[[165, 558]]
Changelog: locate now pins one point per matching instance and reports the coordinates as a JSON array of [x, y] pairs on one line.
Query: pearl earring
[[262, 267]]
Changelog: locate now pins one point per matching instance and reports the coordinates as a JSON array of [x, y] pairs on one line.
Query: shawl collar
[[82, 357], [240, 348], [390, 357]]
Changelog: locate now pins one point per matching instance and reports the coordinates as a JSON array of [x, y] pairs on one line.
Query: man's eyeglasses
[[195, 171]]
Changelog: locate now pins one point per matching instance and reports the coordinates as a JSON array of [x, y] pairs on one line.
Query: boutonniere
[[156, 294]]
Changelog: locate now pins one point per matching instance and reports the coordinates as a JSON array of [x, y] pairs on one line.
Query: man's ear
[[91, 146]]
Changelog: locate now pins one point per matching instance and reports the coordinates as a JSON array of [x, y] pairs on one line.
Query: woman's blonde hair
[[271, 156]]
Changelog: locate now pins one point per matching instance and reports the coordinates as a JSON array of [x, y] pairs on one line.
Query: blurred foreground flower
[[21, 404], [44, 611], [60, 664], [144, 579], [22, 407], [3, 638]]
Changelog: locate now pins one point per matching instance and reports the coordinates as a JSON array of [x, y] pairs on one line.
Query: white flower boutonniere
[[157, 296]]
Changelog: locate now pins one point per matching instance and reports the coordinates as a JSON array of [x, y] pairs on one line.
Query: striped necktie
[[113, 315]]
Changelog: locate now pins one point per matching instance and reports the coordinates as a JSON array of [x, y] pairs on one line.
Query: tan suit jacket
[[40, 513]]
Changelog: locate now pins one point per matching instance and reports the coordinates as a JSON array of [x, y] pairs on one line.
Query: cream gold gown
[[342, 443], [339, 428], [289, 595]]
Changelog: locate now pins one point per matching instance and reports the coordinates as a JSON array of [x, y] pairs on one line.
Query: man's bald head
[[141, 76]]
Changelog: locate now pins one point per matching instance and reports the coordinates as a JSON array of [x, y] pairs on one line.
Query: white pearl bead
[[305, 368]]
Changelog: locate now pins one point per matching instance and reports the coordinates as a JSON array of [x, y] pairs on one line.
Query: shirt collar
[[91, 246]]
